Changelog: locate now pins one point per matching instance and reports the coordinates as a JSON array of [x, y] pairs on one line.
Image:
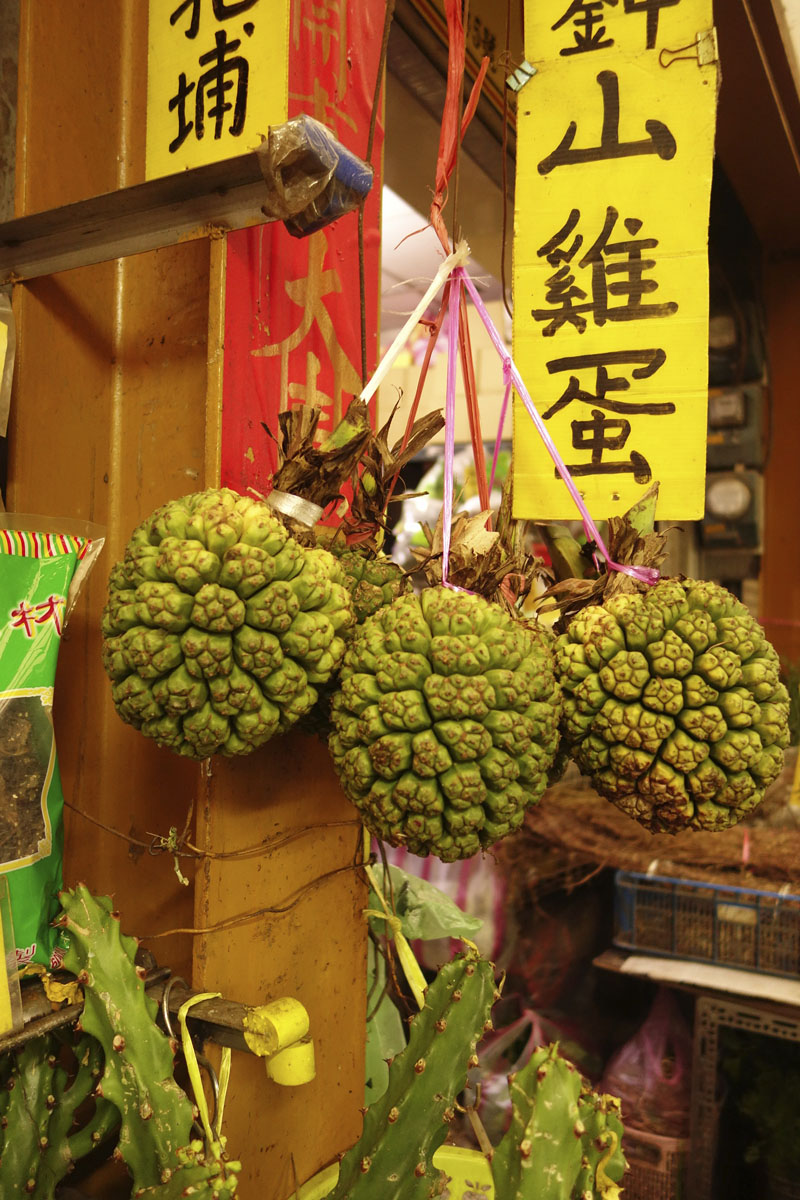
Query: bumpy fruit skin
[[372, 582], [219, 626], [446, 722], [673, 705]]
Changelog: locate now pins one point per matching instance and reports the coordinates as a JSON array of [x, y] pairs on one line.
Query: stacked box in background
[[709, 922], [657, 1166]]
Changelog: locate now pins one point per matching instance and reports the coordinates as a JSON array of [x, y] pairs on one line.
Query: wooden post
[[123, 401], [780, 574]]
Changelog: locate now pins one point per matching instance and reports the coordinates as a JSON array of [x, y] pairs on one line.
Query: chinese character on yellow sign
[[615, 140], [217, 78]]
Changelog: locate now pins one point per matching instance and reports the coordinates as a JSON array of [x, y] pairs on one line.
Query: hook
[[165, 1014], [201, 1058]]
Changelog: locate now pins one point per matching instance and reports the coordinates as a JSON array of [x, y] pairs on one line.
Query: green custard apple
[[219, 627], [673, 705], [445, 724]]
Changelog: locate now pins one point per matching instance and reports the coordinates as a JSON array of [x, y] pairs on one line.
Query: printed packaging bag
[[42, 567]]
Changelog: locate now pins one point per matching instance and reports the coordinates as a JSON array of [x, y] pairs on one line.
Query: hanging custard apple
[[219, 626], [372, 580], [446, 722], [673, 705]]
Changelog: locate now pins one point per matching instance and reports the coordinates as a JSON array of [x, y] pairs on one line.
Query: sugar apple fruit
[[372, 581], [445, 723], [219, 625], [673, 705]]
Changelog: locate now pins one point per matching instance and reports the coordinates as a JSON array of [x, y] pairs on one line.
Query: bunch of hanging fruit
[[448, 709]]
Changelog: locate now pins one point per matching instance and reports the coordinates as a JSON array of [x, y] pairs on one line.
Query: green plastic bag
[[42, 566]]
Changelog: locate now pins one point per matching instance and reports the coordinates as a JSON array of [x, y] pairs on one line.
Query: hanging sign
[[217, 78], [615, 143], [292, 305]]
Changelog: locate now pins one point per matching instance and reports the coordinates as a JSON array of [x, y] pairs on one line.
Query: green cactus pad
[[560, 1134], [156, 1115], [393, 1158], [42, 1135]]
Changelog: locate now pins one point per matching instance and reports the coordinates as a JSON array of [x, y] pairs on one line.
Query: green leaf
[[643, 514], [565, 552], [385, 1033], [423, 910]]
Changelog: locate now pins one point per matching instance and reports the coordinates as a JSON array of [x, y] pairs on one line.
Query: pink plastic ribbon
[[450, 423], [501, 426], [450, 433], [648, 575]]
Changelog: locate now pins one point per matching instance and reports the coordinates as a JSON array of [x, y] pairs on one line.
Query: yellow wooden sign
[[615, 139], [217, 78]]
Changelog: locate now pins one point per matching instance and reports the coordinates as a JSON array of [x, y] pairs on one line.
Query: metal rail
[[219, 1020], [162, 212]]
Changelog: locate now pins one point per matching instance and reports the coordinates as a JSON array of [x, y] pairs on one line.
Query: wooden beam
[[147, 216], [758, 121]]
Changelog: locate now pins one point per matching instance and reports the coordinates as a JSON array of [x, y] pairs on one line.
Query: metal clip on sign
[[523, 74], [704, 49]]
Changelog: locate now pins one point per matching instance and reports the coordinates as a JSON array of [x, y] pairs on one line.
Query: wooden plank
[[131, 220], [703, 978], [757, 141], [780, 565], [285, 921]]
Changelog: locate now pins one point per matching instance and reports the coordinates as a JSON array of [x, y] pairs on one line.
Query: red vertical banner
[[292, 315]]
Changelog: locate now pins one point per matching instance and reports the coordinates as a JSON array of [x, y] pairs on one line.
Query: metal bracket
[[523, 74], [203, 202], [221, 1021]]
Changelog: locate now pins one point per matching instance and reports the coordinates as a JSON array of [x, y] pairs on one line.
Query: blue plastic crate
[[708, 922]]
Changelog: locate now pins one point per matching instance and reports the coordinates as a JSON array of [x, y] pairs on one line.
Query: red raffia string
[[445, 165], [434, 329], [449, 139]]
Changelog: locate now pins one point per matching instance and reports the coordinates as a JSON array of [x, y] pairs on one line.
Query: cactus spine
[[404, 1128], [156, 1116]]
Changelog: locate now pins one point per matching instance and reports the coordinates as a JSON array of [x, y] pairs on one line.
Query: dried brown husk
[[631, 540], [318, 473], [378, 476], [575, 826], [353, 454], [492, 562]]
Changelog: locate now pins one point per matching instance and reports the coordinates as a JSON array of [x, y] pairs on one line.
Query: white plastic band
[[458, 258], [295, 507]]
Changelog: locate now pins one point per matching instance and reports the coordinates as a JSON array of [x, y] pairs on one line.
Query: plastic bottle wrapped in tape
[[313, 179], [43, 564]]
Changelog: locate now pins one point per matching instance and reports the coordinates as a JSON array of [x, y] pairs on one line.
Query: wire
[[362, 280]]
